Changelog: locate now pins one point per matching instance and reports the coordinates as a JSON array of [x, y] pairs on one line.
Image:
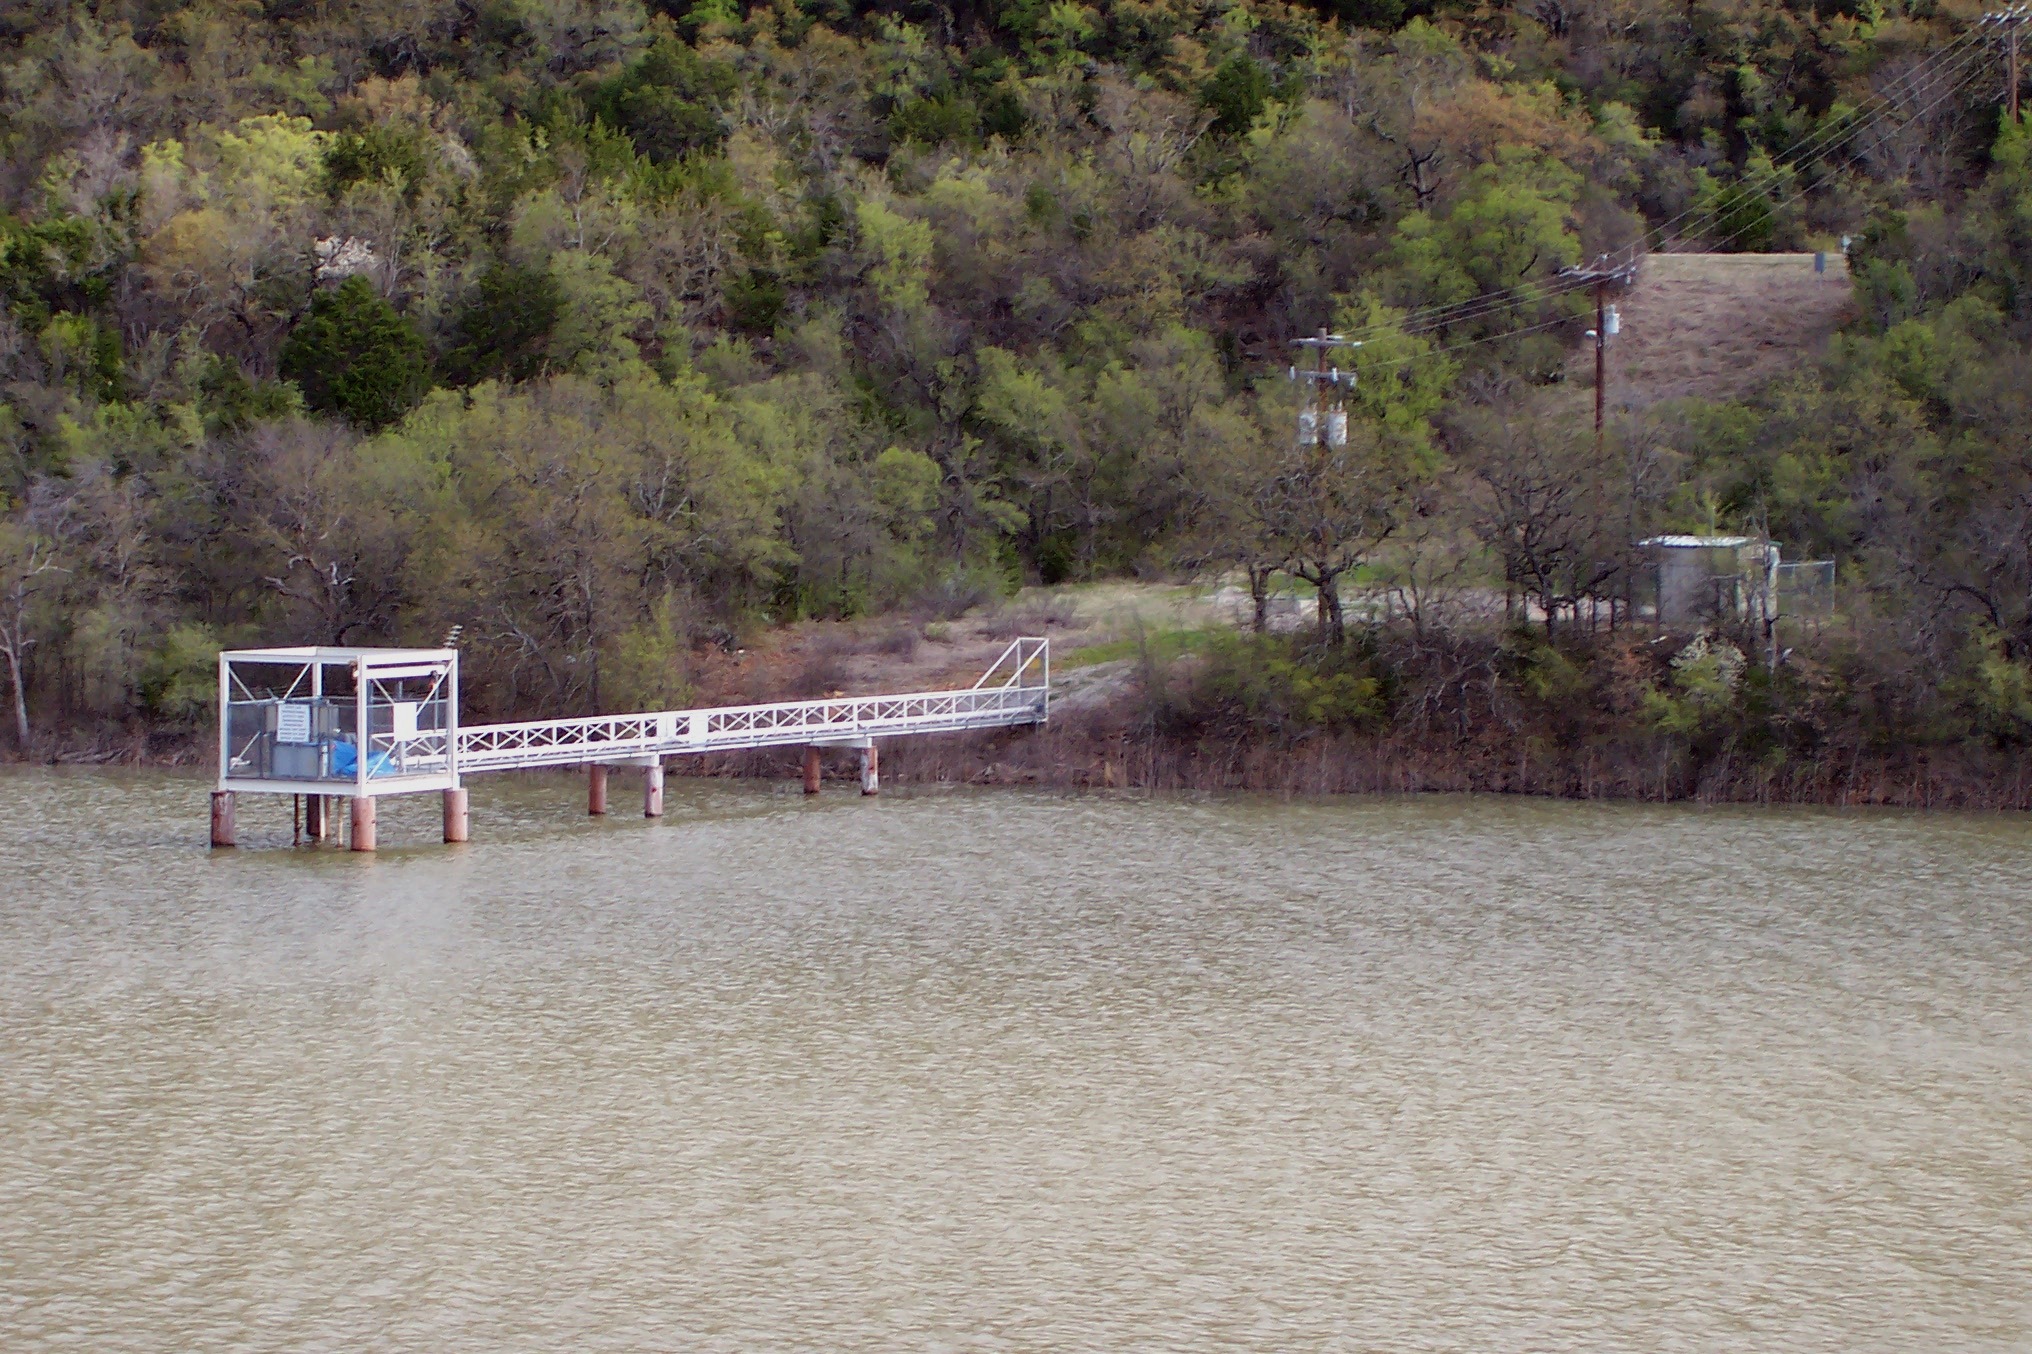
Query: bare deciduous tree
[[30, 563], [1549, 506]]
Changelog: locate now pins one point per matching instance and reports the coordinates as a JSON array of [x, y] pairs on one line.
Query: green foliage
[[1400, 382], [1998, 688], [505, 330], [1003, 114], [1737, 217], [179, 680], [356, 356], [230, 403], [379, 154], [1707, 676], [754, 301], [666, 101], [83, 353], [60, 263], [899, 252], [1381, 14], [705, 15], [1544, 672], [645, 666], [1512, 222], [812, 311], [599, 314], [1272, 684], [944, 120], [1236, 95]]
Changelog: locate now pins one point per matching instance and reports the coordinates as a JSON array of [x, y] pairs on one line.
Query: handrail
[[1022, 660], [1021, 697]]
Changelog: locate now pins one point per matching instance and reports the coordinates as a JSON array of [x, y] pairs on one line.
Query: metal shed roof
[[1700, 542], [327, 654]]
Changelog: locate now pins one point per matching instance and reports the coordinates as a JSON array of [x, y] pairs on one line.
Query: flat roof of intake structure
[[1700, 542], [331, 654]]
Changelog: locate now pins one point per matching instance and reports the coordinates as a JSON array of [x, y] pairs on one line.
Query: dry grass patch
[[1714, 327]]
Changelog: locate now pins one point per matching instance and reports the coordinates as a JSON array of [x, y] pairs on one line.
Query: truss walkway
[[1015, 690]]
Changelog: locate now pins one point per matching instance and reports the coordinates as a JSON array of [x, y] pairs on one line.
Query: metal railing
[[1014, 690], [418, 754]]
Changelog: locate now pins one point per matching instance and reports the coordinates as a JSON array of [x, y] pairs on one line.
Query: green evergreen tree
[[1236, 95], [355, 356], [504, 333], [375, 153]]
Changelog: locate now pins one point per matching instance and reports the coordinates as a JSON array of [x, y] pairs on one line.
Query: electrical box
[[292, 761]]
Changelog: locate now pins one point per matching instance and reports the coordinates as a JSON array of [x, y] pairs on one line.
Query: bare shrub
[[900, 642], [823, 667], [952, 595], [1035, 618]]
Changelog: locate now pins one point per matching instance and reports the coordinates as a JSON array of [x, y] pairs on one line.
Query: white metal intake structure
[[297, 731]]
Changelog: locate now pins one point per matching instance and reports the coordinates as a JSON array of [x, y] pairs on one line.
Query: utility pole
[[1601, 356], [1322, 426], [1324, 423], [2010, 21], [1607, 325]]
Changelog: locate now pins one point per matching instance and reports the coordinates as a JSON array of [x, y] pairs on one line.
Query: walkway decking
[[1016, 690]]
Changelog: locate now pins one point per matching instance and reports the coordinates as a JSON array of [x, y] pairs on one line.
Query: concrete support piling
[[811, 770], [457, 824], [652, 791], [363, 823], [314, 829], [224, 825], [871, 775], [596, 791]]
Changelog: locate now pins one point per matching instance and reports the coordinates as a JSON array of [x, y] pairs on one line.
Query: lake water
[[999, 1070]]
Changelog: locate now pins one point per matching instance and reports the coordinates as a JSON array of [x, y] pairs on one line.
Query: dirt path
[[902, 652]]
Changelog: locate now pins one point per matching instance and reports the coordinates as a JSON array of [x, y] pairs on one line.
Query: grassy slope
[[1716, 326]]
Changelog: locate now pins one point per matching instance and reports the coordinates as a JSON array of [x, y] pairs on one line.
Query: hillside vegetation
[[613, 331]]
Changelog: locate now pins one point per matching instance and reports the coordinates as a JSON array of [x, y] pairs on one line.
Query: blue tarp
[[346, 761]]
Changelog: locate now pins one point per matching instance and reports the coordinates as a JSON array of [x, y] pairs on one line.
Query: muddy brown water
[[1001, 1070]]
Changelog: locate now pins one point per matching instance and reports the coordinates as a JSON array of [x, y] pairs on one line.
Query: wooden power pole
[[2010, 21], [1601, 355], [1599, 276], [2011, 98]]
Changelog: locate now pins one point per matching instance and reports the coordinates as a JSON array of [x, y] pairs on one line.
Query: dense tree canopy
[[607, 329]]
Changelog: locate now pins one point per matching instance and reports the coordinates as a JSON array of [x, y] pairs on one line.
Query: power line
[[1441, 317], [1432, 318], [1804, 152], [1831, 135], [1964, 54], [1409, 358], [1803, 190], [1956, 62], [1524, 294], [1586, 278]]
